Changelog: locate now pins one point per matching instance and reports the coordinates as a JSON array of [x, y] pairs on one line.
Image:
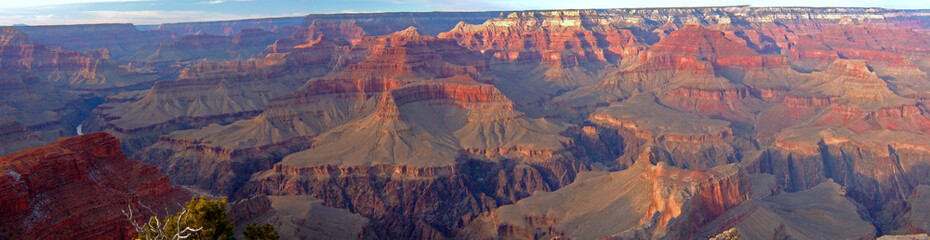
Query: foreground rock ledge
[[75, 188]]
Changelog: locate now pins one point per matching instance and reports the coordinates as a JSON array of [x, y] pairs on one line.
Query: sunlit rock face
[[671, 123]]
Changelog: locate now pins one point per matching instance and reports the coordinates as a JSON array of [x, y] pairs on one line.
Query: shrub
[[265, 232], [201, 218]]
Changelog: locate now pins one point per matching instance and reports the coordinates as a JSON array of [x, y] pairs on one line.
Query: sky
[[143, 12]]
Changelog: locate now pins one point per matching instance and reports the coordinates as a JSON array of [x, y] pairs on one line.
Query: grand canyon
[[645, 123]]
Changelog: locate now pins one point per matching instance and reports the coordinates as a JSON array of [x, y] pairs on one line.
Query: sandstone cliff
[[75, 188]]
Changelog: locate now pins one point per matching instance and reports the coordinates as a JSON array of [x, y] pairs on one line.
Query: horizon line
[[445, 11]]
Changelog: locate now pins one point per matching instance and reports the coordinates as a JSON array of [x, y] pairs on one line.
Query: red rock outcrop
[[723, 49], [696, 40], [75, 188]]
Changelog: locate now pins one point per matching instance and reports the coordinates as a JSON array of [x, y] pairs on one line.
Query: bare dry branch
[[155, 229]]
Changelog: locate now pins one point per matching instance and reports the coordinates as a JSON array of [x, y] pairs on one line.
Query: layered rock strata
[[643, 202], [76, 188]]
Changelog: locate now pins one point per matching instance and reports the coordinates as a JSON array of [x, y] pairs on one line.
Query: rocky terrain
[[670, 123], [644, 201], [75, 188], [371, 121], [821, 212]]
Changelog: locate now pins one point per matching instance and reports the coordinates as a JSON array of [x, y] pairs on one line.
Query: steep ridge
[[679, 139], [643, 202], [704, 44], [846, 109], [915, 218], [845, 123], [821, 212], [75, 188], [879, 169]]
